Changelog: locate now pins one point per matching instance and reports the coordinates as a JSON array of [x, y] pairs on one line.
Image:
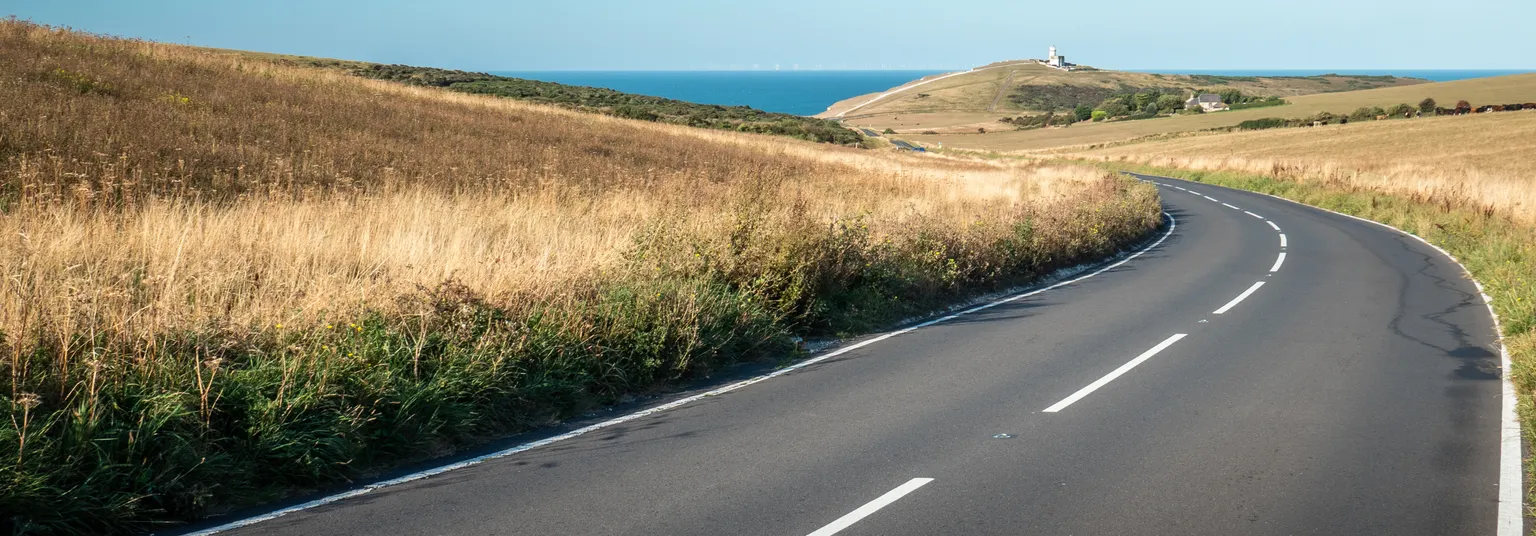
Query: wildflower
[[28, 400]]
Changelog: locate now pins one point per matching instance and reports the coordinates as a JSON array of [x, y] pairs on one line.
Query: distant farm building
[[1208, 102]]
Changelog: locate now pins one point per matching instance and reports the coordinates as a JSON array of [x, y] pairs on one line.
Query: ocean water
[[1436, 75], [811, 92], [791, 92]]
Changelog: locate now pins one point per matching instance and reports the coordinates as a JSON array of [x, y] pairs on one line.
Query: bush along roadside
[[1499, 253], [114, 433]]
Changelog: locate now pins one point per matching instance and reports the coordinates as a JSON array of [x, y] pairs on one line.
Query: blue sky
[[831, 34]]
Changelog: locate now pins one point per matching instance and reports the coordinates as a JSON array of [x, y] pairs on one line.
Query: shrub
[[1261, 124], [1083, 112], [1366, 113], [1400, 110], [1428, 105], [1169, 102], [1258, 103], [1099, 115]]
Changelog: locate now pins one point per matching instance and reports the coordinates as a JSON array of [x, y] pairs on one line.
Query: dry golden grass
[[223, 278], [1493, 90], [1481, 160], [976, 91], [248, 204]]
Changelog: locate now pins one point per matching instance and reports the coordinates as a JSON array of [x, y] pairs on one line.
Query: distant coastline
[[811, 92], [792, 92]]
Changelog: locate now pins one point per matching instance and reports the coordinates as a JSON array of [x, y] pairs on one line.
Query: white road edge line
[[1282, 240], [1278, 262], [871, 507], [1252, 214], [1238, 299], [1272, 224], [1173, 223], [1511, 514], [1228, 205], [1114, 374]]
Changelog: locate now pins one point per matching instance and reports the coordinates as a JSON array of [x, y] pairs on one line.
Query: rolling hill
[[971, 98], [955, 105]]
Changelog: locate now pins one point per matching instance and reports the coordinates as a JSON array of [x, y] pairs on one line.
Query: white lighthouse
[[1056, 61]]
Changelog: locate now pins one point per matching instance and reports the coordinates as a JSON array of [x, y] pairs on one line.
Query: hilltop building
[[1056, 61], [1208, 102]]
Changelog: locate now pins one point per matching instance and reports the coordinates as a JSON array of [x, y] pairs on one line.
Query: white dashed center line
[[1272, 224], [1278, 262], [1230, 206], [1282, 240], [1252, 214], [1114, 374], [1238, 299], [871, 507]]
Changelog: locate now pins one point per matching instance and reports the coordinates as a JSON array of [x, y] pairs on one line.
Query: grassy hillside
[[589, 99], [227, 280], [1473, 160], [1466, 184], [1014, 88], [1494, 90]]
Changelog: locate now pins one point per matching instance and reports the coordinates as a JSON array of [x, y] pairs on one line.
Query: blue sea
[[811, 92], [790, 92]]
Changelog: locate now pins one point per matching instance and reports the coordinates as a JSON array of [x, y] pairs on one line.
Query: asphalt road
[[1356, 391]]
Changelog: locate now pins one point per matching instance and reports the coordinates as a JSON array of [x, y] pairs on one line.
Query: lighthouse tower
[[1056, 61]]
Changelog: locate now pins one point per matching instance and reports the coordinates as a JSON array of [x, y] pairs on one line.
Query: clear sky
[[832, 34]]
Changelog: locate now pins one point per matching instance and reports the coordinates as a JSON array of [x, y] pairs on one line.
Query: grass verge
[[1499, 252]]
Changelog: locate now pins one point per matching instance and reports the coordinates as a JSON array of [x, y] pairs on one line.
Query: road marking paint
[[1210, 198], [1252, 214], [1511, 513], [1193, 192], [1114, 374], [1272, 224], [871, 507], [1282, 240], [1173, 223], [1238, 299], [1181, 188], [1228, 205], [1278, 262]]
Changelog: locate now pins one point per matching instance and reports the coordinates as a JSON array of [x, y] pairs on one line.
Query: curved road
[[1355, 391]]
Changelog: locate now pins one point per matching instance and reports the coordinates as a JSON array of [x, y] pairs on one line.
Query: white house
[[1209, 102]]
